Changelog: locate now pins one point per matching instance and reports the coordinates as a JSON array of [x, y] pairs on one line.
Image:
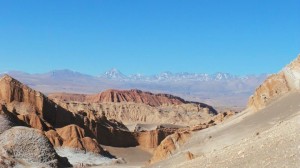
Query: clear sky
[[149, 36]]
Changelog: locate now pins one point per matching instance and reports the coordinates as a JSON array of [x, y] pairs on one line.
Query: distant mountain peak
[[223, 76], [114, 74]]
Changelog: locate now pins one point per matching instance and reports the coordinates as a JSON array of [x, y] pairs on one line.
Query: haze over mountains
[[219, 89]]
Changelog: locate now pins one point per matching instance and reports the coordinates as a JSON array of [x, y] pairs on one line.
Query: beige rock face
[[276, 85], [135, 106], [130, 113], [152, 139]]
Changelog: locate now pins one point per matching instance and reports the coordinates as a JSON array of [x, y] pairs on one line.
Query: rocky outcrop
[[126, 96], [54, 138], [34, 121], [169, 145], [174, 141], [79, 130], [132, 113], [135, 106], [222, 116], [273, 87], [118, 96], [22, 100], [152, 139], [31, 108], [29, 147], [12, 90], [75, 137], [276, 85]]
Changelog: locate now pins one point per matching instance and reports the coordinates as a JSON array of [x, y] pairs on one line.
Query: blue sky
[[149, 36]]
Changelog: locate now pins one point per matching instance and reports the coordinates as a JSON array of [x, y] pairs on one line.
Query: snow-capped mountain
[[114, 74], [221, 89]]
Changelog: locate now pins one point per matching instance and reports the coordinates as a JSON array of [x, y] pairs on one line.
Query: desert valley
[[149, 84], [134, 128]]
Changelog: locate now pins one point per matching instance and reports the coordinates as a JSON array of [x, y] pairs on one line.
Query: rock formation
[[118, 96], [152, 139], [33, 109], [174, 141], [81, 130], [75, 137], [169, 145], [83, 122], [134, 106], [222, 116], [22, 100], [276, 85], [28, 147]]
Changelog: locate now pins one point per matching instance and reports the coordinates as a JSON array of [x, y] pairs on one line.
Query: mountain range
[[219, 89], [115, 74]]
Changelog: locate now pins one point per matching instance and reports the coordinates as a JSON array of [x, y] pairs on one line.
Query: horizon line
[[128, 75]]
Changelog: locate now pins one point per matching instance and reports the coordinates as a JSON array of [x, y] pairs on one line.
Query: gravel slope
[[267, 138]]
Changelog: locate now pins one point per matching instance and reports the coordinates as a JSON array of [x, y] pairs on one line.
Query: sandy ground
[[267, 138], [134, 157], [277, 147]]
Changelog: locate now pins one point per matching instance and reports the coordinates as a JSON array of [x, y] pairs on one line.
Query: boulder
[[30, 147]]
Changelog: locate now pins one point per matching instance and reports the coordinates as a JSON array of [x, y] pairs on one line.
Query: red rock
[[117, 96]]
